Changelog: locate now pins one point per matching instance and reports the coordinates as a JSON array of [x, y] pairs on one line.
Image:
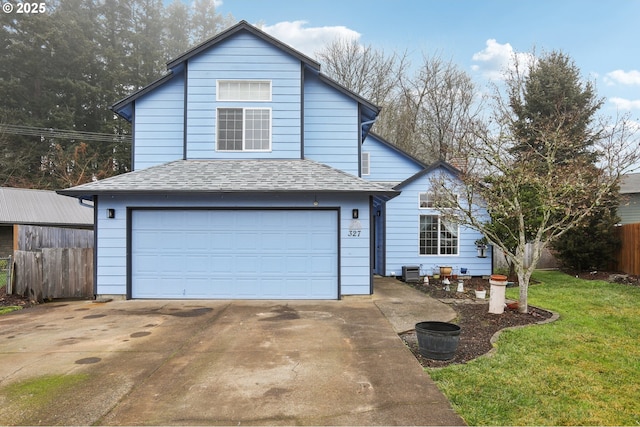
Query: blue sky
[[602, 36]]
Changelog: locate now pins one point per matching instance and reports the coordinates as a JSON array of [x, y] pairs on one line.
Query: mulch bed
[[477, 325]]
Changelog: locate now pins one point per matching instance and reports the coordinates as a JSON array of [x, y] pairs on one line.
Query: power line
[[61, 133]]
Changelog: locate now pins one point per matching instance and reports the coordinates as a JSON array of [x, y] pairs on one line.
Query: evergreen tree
[[63, 69], [554, 102], [554, 114]]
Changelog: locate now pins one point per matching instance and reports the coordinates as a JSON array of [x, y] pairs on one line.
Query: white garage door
[[247, 254]]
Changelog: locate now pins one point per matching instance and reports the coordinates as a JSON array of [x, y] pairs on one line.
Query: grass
[[4, 273], [582, 369], [23, 400], [9, 309]]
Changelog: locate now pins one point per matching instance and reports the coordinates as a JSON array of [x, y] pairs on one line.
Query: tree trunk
[[523, 283]]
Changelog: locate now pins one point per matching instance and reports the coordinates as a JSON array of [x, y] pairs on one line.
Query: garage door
[[248, 254]]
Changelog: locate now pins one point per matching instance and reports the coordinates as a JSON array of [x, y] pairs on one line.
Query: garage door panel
[[323, 242], [195, 242], [323, 265], [220, 240], [222, 264], [199, 265], [270, 265], [298, 265], [274, 254]]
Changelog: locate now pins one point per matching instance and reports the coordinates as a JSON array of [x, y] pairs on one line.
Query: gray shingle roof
[[41, 207], [232, 176]]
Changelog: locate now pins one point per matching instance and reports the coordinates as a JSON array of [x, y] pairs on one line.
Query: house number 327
[[355, 228]]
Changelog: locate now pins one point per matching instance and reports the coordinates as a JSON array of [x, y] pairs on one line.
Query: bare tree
[[368, 72], [517, 196], [427, 115], [438, 106]]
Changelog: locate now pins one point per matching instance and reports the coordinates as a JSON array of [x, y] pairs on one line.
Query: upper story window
[[366, 163], [428, 201], [244, 90], [243, 128]]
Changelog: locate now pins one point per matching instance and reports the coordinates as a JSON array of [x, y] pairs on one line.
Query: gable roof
[[232, 176], [242, 26], [42, 207], [175, 66], [429, 169], [398, 150], [124, 108]]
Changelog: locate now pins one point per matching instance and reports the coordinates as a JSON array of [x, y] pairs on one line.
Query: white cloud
[[625, 104], [308, 40], [496, 59], [623, 77]]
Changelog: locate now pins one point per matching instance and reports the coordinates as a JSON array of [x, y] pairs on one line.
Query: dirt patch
[[622, 278], [14, 300]]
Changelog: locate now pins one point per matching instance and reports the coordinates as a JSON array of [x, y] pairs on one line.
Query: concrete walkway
[[221, 362], [404, 306]]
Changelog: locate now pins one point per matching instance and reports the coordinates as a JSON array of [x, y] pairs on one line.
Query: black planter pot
[[437, 340]]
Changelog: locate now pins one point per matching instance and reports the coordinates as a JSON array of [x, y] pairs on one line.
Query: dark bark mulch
[[14, 300], [476, 323], [477, 326]]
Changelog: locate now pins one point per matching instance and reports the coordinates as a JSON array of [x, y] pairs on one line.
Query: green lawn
[[583, 369], [3, 272]]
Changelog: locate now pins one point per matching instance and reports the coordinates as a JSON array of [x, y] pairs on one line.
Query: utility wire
[[60, 133]]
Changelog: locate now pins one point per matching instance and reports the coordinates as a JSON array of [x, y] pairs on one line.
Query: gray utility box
[[410, 274]]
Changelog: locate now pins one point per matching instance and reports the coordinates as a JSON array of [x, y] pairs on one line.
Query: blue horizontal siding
[[159, 117], [112, 233], [402, 237], [331, 127], [244, 57], [629, 209], [387, 164]]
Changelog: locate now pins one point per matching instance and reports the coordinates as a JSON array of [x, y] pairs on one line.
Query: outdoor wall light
[[111, 213], [354, 213]]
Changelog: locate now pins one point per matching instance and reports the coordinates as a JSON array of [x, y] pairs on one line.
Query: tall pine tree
[[553, 127]]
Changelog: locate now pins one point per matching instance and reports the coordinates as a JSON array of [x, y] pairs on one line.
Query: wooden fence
[[34, 237], [546, 261], [54, 273], [628, 259]]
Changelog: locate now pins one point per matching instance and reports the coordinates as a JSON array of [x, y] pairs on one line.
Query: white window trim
[[420, 202], [438, 254], [429, 207], [218, 82], [244, 129], [367, 155]]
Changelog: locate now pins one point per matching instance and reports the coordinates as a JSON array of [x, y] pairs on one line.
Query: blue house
[[256, 177]]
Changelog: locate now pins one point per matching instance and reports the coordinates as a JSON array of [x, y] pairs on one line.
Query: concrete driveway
[[220, 362]]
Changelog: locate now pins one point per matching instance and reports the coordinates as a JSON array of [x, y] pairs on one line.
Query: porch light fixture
[[111, 213], [354, 213]]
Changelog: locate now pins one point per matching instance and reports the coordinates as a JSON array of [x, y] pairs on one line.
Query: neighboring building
[[256, 177], [629, 209], [21, 208]]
